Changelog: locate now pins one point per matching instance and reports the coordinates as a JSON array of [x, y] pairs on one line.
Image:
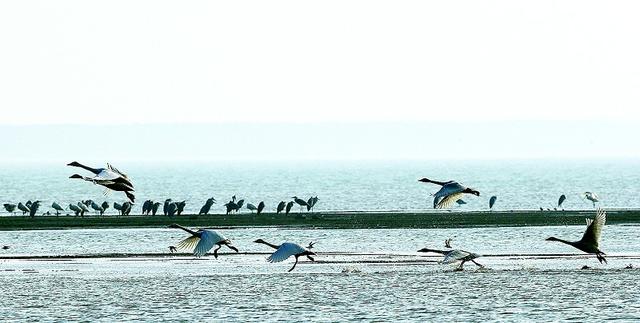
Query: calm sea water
[[365, 186], [359, 275]]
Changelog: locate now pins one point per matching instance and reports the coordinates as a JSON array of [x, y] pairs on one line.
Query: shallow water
[[356, 185], [359, 275]]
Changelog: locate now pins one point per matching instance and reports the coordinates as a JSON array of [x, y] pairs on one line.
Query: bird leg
[[311, 258], [294, 264], [601, 258], [215, 251], [232, 247], [477, 264]]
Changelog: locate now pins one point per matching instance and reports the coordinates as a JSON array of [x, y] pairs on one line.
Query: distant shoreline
[[325, 220]]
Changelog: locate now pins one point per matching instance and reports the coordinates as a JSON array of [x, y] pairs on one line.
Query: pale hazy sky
[[484, 64]]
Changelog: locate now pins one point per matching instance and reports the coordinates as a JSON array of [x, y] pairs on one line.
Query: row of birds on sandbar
[[201, 241]]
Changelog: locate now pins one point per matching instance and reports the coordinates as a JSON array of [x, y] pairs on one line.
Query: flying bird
[[109, 177], [591, 237], [286, 250], [202, 241], [449, 193], [455, 255]]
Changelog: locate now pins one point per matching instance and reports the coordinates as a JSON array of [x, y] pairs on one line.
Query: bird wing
[[115, 170], [285, 251], [208, 239], [453, 256], [594, 228], [188, 243], [448, 201]]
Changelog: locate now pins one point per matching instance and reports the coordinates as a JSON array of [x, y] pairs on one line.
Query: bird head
[[424, 180], [173, 226], [551, 239], [471, 191], [75, 176], [259, 241], [73, 163]]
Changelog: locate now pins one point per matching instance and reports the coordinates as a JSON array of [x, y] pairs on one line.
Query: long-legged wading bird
[[207, 206], [492, 201], [75, 209], [449, 193], [34, 208], [57, 207], [286, 250], [591, 237], [593, 197], [105, 206], [154, 208], [280, 207], [118, 207], [180, 207], [231, 206], [126, 208], [165, 206], [455, 255], [251, 207], [288, 208], [146, 207], [83, 207], [561, 200], [11, 208], [109, 177], [300, 202], [202, 241], [23, 208], [97, 207], [260, 207], [239, 205]]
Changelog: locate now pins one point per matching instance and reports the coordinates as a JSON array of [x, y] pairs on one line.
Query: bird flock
[[203, 240]]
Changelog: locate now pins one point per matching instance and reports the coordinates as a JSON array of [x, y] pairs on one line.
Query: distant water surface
[[352, 185]]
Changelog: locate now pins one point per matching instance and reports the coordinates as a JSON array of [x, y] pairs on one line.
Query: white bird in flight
[[455, 255], [286, 250], [450, 192], [202, 241]]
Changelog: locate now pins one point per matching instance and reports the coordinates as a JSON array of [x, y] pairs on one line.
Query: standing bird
[[83, 207], [75, 209], [57, 207], [591, 238], [146, 207], [105, 206], [34, 208], [165, 206], [203, 240], [288, 208], [126, 208], [260, 207], [231, 206], [11, 208], [280, 207], [447, 243], [154, 208], [455, 255], [286, 250], [239, 205], [180, 207], [117, 207], [109, 177], [23, 208], [251, 207], [450, 192], [492, 201], [207, 206], [97, 207], [593, 197], [172, 208], [561, 200], [300, 202]]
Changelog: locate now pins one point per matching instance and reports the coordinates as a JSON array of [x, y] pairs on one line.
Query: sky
[[358, 79]]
